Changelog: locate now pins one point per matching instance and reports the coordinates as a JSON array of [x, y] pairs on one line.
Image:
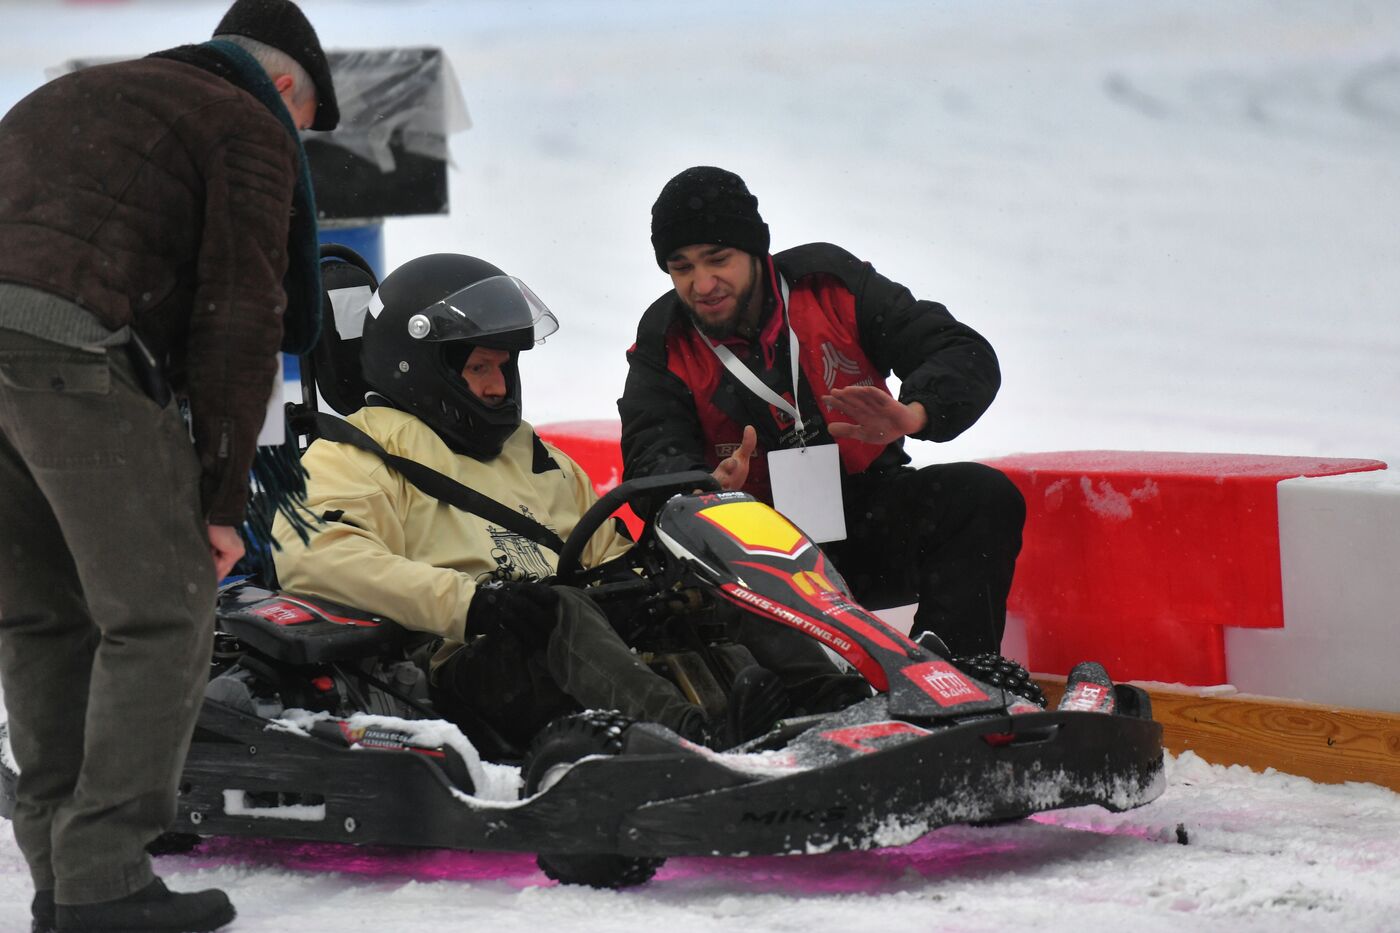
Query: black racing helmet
[[424, 321]]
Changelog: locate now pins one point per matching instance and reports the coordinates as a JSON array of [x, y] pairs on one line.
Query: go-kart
[[318, 725]]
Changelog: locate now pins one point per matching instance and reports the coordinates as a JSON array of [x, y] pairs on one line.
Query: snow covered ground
[[1175, 221]]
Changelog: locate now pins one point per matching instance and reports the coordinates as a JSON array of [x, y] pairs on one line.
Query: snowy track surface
[[1264, 853]]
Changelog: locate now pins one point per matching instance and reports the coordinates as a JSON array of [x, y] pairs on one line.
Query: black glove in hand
[[526, 611]]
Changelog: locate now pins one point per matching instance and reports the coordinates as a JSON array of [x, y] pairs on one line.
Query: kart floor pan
[[973, 772]]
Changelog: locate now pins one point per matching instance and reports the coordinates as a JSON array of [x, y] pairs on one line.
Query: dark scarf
[[278, 480]]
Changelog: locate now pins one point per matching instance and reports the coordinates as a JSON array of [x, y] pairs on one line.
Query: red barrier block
[[1138, 559], [597, 447]]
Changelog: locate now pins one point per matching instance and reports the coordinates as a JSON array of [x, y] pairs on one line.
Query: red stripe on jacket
[[823, 315]]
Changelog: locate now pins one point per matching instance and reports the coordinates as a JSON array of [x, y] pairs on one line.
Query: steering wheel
[[623, 494]]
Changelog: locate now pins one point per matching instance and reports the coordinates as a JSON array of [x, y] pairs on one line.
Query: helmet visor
[[498, 305]]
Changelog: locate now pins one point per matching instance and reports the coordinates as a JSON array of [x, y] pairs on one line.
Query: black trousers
[[515, 691], [945, 535]]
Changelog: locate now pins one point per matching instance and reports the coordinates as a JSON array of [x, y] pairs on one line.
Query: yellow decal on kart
[[755, 526], [811, 583]]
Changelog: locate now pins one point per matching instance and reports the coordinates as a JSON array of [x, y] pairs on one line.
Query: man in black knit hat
[[157, 243], [752, 357]]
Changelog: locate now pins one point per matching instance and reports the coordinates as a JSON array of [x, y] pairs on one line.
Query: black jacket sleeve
[[943, 364], [661, 431]]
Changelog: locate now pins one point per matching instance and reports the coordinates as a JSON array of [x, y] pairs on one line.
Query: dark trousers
[[516, 691], [946, 535], [106, 612], [586, 665]]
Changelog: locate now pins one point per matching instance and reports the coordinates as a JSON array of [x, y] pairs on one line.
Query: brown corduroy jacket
[[155, 194]]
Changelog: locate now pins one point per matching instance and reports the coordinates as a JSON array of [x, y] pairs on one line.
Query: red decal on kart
[[945, 683], [859, 658], [1087, 698], [855, 737], [889, 630], [843, 610], [322, 613], [284, 614]]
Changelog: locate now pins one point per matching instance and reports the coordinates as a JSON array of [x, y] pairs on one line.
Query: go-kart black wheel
[[1132, 701], [992, 668], [173, 844], [554, 751]]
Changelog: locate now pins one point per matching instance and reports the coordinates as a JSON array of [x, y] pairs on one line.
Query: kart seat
[[334, 363], [303, 630]]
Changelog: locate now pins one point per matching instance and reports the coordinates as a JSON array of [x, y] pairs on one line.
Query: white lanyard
[[752, 382]]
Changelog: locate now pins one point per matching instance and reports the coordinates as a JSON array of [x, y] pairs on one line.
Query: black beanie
[[706, 205], [280, 24]]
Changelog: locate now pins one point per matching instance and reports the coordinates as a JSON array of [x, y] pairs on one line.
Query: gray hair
[[277, 62]]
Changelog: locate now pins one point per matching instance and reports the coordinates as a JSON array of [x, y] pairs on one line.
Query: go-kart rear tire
[[557, 747], [1132, 701], [174, 844], [1001, 672]]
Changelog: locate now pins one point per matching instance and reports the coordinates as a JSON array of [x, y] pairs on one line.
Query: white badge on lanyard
[[806, 480], [807, 489]]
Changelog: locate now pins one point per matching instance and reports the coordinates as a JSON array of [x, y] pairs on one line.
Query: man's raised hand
[[876, 416]]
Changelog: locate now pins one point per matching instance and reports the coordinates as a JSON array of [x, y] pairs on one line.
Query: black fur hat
[[705, 204], [282, 25]]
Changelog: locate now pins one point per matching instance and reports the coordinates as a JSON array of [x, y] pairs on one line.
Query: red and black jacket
[[682, 410]]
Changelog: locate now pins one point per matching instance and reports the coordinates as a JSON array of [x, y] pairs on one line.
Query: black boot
[[42, 910], [828, 694], [693, 727], [756, 701], [153, 909]]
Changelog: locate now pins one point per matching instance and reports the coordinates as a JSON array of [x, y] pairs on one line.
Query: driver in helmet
[[440, 351]]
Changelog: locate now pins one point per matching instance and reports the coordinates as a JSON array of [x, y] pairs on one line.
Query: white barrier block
[[1339, 551]]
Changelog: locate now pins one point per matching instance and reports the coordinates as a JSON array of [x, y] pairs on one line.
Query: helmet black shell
[[415, 363]]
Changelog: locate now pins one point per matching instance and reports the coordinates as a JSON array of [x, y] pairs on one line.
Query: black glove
[[525, 611]]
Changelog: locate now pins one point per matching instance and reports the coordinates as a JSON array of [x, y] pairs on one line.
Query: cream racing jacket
[[384, 546]]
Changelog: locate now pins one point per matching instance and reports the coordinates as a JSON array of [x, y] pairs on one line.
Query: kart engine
[[378, 686]]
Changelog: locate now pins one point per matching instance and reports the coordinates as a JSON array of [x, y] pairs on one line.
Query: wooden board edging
[[1327, 744]]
